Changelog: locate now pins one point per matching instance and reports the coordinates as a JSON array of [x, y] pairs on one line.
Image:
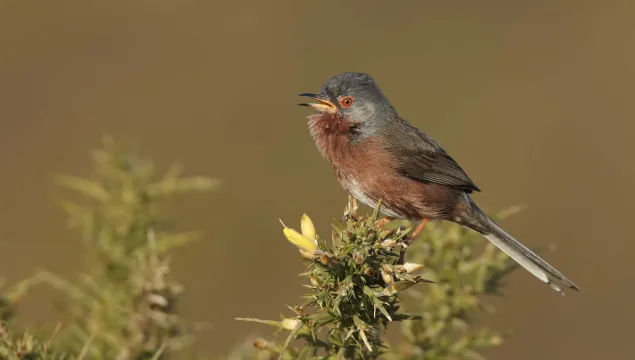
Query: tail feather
[[527, 258]]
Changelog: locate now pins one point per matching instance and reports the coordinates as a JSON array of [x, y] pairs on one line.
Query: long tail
[[476, 219], [526, 258]]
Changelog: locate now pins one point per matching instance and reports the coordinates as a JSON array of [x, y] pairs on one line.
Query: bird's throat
[[332, 134]]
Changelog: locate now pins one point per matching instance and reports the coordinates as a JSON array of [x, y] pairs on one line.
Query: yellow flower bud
[[308, 230], [299, 240]]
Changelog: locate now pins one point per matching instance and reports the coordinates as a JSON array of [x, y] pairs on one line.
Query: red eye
[[347, 101]]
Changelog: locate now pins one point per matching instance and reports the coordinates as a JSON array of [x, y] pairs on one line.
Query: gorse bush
[[354, 284], [358, 287], [125, 305]]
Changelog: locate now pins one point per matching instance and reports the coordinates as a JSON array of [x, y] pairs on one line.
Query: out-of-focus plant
[[125, 305], [357, 288], [27, 347], [17, 344]]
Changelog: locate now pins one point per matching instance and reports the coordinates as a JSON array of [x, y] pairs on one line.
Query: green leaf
[[85, 187]]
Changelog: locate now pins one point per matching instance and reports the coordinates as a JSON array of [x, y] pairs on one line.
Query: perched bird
[[377, 155]]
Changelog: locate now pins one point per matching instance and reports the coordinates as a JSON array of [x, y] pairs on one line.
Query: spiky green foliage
[[466, 268], [353, 291], [356, 291]]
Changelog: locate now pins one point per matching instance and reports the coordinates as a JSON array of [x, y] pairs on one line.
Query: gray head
[[354, 96]]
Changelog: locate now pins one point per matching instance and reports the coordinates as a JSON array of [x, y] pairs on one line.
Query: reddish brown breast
[[368, 171]]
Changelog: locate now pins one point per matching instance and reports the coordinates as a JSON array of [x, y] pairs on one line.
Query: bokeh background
[[534, 99]]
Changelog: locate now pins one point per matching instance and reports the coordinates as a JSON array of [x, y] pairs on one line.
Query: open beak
[[321, 105]]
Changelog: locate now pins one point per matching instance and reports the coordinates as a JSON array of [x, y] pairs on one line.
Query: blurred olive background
[[534, 99]]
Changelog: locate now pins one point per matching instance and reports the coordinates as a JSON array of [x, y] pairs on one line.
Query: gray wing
[[423, 159]]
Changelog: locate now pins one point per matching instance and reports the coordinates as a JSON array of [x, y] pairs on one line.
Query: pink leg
[[413, 235], [417, 231]]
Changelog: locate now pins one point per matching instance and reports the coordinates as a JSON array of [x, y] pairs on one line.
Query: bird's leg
[[410, 238], [383, 222], [413, 235]]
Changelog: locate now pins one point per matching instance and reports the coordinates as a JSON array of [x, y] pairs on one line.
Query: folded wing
[[423, 159]]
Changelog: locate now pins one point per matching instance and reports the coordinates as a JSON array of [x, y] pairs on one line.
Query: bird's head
[[354, 97]]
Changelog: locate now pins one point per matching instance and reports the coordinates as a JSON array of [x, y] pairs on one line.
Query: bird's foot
[[383, 222], [410, 238]]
